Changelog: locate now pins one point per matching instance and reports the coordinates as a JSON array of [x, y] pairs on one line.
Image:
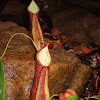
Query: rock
[[17, 61], [19, 66], [7, 25], [2, 4], [60, 81], [15, 11], [75, 23], [72, 19], [94, 34], [76, 82], [90, 5]]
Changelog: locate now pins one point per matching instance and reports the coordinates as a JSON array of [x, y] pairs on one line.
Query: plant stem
[[36, 81], [40, 90]]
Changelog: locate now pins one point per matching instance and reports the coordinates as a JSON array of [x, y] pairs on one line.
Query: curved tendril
[[12, 38], [54, 95]]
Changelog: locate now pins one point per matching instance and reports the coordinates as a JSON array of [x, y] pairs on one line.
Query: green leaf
[[72, 97], [2, 81], [95, 97], [81, 99]]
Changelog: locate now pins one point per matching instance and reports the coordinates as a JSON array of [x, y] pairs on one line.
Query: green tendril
[[12, 38], [54, 95]]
